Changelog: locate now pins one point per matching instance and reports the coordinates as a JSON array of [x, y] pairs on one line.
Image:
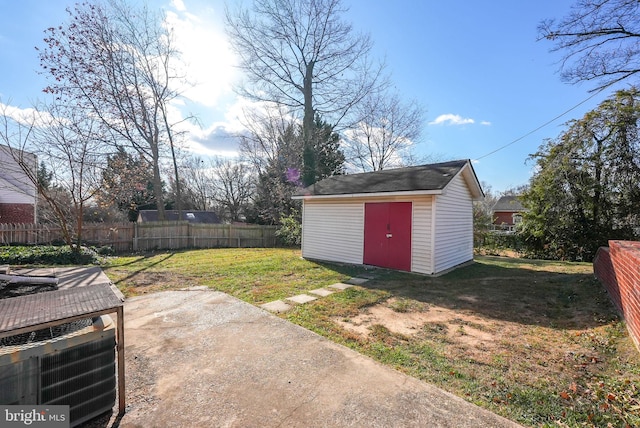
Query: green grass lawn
[[536, 341], [255, 275]]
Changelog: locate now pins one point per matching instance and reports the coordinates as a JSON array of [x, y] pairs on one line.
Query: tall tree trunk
[[308, 153], [79, 222], [598, 181], [175, 162], [157, 182]]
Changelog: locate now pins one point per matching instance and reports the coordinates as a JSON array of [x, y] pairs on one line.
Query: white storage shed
[[415, 219]]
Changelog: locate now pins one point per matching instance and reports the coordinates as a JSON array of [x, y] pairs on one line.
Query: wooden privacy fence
[[118, 236], [147, 236], [182, 234]]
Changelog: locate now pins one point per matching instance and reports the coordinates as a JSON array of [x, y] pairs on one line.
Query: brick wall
[[618, 268], [503, 218], [16, 213]]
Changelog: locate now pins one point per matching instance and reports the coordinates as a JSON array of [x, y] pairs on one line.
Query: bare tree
[[273, 148], [600, 40], [74, 146], [268, 131], [303, 55], [119, 64], [18, 166], [386, 133], [198, 182], [70, 144], [233, 186]]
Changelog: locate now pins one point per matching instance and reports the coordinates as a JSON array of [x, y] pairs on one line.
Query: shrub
[[48, 255], [289, 233], [494, 243]]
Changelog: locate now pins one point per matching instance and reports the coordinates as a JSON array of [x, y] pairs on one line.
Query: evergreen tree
[[127, 183], [285, 172], [44, 176], [329, 158], [586, 190], [279, 179]]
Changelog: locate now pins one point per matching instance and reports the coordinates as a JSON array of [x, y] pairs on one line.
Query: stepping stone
[[322, 292], [196, 288], [277, 306], [368, 275], [357, 281], [301, 298], [341, 286]]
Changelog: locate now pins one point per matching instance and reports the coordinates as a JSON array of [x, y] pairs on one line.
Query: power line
[[542, 126]]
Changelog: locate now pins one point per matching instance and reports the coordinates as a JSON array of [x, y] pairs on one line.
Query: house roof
[[431, 178], [172, 215], [508, 203]]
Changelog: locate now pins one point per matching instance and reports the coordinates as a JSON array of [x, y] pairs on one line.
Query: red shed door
[[387, 235]]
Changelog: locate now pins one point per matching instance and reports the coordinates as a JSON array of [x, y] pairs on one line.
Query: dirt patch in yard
[[465, 330], [524, 326], [143, 282]]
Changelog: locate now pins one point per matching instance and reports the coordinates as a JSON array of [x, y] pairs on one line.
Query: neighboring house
[[507, 213], [209, 217], [416, 219], [18, 194]]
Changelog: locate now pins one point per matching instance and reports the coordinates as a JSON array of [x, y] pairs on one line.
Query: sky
[[475, 66]]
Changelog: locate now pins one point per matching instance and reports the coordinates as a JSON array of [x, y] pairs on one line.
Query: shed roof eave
[[369, 195], [469, 174]]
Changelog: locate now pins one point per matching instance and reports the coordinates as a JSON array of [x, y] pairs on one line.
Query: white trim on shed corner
[[434, 216]]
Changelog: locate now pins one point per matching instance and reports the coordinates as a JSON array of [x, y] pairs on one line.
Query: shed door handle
[[389, 235]]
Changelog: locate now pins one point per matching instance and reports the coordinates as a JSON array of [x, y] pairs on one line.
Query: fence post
[[135, 236]]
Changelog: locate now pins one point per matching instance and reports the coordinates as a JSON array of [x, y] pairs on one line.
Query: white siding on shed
[[421, 235], [453, 226], [333, 231]]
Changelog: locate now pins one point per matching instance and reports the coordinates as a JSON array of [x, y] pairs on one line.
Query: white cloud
[[451, 119], [179, 5], [26, 116], [221, 138], [207, 55], [209, 69], [485, 123]]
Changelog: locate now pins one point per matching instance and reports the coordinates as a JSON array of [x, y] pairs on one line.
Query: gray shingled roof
[[508, 203], [424, 177], [172, 215]]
